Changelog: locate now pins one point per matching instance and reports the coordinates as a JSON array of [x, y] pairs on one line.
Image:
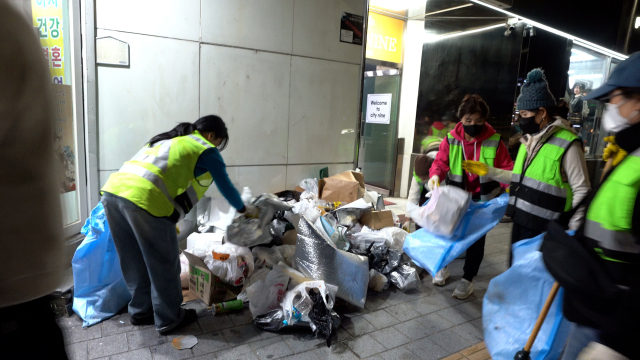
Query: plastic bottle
[[227, 306]]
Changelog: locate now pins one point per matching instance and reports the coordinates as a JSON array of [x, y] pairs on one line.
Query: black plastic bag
[[323, 320], [271, 321]]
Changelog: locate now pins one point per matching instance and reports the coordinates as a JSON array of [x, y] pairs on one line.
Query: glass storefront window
[[52, 20], [587, 71]]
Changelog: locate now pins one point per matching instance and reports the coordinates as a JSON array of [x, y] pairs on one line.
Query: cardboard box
[[206, 286], [377, 220], [346, 187]]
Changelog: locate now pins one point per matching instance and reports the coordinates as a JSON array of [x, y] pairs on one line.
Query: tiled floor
[[422, 324]]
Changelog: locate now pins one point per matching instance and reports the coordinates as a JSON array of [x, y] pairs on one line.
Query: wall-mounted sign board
[[111, 51], [351, 27], [384, 38], [379, 108]]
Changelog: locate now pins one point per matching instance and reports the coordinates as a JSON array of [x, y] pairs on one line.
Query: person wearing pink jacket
[[471, 139]]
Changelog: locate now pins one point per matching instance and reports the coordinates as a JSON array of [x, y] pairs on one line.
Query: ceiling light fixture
[[429, 38], [582, 42]]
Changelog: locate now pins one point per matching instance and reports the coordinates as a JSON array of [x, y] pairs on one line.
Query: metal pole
[[630, 28], [361, 80]]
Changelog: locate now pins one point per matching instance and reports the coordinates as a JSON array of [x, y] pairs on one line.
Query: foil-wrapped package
[[318, 258], [405, 278], [251, 232]]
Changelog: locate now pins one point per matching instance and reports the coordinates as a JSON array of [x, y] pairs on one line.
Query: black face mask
[[473, 130], [528, 125]]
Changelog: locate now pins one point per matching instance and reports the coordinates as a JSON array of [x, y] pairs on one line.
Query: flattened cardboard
[[345, 187], [377, 220]]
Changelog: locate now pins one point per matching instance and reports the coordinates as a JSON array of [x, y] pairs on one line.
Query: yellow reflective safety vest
[[160, 179]]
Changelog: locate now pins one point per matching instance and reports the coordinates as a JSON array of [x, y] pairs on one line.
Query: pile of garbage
[[326, 240]]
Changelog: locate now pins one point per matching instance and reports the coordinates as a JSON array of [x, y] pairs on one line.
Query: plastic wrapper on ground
[[513, 302], [266, 295], [443, 212], [231, 263], [266, 257], [405, 277], [433, 252], [377, 281], [318, 258]]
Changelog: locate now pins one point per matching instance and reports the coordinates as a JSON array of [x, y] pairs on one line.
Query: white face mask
[[612, 121]]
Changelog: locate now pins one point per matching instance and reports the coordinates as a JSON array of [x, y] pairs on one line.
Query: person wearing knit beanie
[[421, 167], [535, 92]]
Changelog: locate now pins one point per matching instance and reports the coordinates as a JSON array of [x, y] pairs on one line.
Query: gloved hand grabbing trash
[[433, 182], [475, 167], [251, 211], [613, 151]]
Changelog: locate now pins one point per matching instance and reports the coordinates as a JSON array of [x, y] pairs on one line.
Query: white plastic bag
[[201, 244], [297, 303], [259, 274], [443, 212], [266, 257], [288, 253], [184, 271], [310, 187], [231, 263], [266, 295]]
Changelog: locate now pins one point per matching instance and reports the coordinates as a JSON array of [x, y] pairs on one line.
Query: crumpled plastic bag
[[297, 303], [433, 252], [266, 257], [443, 212], [308, 208], [202, 244], [377, 281], [288, 252], [513, 301], [323, 320], [258, 274], [365, 238], [244, 231], [405, 277], [216, 213], [266, 295], [231, 263], [383, 259], [310, 187], [318, 258], [184, 271]]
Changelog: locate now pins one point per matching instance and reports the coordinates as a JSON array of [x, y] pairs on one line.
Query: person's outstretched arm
[[211, 160]]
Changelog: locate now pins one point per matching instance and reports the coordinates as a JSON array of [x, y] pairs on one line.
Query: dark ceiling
[[595, 23]]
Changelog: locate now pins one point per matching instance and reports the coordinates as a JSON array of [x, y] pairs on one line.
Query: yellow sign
[[47, 17], [384, 38]]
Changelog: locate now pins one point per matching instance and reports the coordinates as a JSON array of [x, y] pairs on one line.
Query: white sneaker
[[463, 290], [441, 277]]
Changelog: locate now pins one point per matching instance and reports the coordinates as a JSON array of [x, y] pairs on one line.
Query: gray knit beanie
[[535, 92]]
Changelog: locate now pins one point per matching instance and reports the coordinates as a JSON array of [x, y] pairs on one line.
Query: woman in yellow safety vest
[[145, 199]]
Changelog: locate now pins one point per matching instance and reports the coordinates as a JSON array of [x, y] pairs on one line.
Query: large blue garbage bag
[[99, 288], [434, 252], [513, 302]]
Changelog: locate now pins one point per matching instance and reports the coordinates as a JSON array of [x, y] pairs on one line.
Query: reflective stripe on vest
[[609, 219], [488, 187], [540, 195], [160, 179]]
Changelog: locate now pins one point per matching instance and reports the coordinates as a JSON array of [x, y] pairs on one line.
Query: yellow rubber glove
[[475, 167], [613, 151]]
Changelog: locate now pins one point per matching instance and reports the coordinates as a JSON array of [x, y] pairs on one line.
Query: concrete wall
[[274, 70]]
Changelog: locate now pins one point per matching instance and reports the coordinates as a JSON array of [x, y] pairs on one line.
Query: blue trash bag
[[433, 252], [99, 288], [513, 302]]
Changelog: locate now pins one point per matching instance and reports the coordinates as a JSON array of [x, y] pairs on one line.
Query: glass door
[[379, 131], [58, 27]]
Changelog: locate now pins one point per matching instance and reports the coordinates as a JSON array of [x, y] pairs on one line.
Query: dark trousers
[[29, 331], [472, 261], [520, 232]]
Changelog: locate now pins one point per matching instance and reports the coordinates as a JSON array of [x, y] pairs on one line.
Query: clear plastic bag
[[266, 257], [266, 295], [288, 253], [443, 212], [297, 303], [405, 277], [310, 187], [258, 274]]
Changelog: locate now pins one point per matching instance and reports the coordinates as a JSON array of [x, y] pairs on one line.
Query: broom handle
[[542, 316]]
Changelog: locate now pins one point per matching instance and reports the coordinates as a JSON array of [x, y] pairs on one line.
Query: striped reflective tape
[[621, 241], [534, 209], [491, 143], [202, 142], [544, 187], [558, 141]]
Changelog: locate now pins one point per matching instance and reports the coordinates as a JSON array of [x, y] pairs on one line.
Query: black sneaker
[[190, 316], [142, 320]]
